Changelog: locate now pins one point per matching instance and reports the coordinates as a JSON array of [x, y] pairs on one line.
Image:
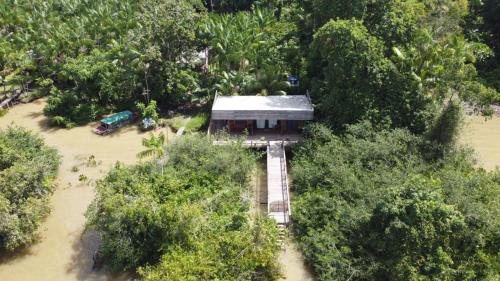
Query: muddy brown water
[[483, 135], [64, 252]]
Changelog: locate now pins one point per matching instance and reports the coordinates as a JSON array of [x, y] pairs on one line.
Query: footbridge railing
[[284, 186]]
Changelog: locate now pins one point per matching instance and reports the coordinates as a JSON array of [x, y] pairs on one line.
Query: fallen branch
[[15, 95]]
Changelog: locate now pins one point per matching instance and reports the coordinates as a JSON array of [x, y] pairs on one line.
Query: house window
[[272, 123], [261, 124]]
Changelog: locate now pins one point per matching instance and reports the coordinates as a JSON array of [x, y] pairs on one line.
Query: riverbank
[[64, 254]]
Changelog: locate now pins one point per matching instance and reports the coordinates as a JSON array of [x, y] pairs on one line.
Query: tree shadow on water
[[11, 257], [82, 261]]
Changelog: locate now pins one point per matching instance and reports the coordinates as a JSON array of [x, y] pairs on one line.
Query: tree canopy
[[395, 63], [101, 55], [369, 206], [406, 61]]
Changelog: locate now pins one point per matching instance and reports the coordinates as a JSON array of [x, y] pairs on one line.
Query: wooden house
[[261, 115]]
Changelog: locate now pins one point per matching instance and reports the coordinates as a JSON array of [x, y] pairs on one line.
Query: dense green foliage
[[148, 111], [27, 168], [483, 24], [185, 217], [392, 62], [224, 6], [249, 52], [101, 55], [370, 207], [391, 198], [357, 81]]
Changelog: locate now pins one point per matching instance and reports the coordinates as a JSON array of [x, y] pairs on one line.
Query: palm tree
[[268, 82], [155, 146]]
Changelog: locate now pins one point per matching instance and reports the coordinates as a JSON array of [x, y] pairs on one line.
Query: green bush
[[65, 109], [27, 168], [185, 217]]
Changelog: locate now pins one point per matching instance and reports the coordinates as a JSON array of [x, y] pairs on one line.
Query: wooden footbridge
[[278, 195], [278, 192]]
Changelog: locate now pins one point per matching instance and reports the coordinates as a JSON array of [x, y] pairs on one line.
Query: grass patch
[[193, 124], [3, 112], [176, 123], [197, 122]]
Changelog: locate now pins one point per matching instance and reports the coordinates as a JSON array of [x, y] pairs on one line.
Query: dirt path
[[63, 254], [484, 136]]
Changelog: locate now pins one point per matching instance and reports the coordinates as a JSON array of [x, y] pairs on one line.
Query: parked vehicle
[[113, 122]]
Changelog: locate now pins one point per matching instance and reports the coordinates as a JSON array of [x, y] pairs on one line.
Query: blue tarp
[[294, 80]]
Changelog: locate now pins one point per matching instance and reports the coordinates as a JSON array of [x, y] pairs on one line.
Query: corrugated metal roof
[[252, 103], [262, 107]]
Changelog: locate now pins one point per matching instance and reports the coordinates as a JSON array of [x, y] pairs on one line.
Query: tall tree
[[353, 80]]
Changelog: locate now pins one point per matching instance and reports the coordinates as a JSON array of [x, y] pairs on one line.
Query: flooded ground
[[484, 136], [63, 253], [294, 266], [290, 258]]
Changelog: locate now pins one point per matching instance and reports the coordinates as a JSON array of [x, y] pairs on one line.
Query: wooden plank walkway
[[278, 194], [278, 203]]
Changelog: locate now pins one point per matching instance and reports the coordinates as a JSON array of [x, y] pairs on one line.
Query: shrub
[[27, 168], [65, 110], [184, 218]]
